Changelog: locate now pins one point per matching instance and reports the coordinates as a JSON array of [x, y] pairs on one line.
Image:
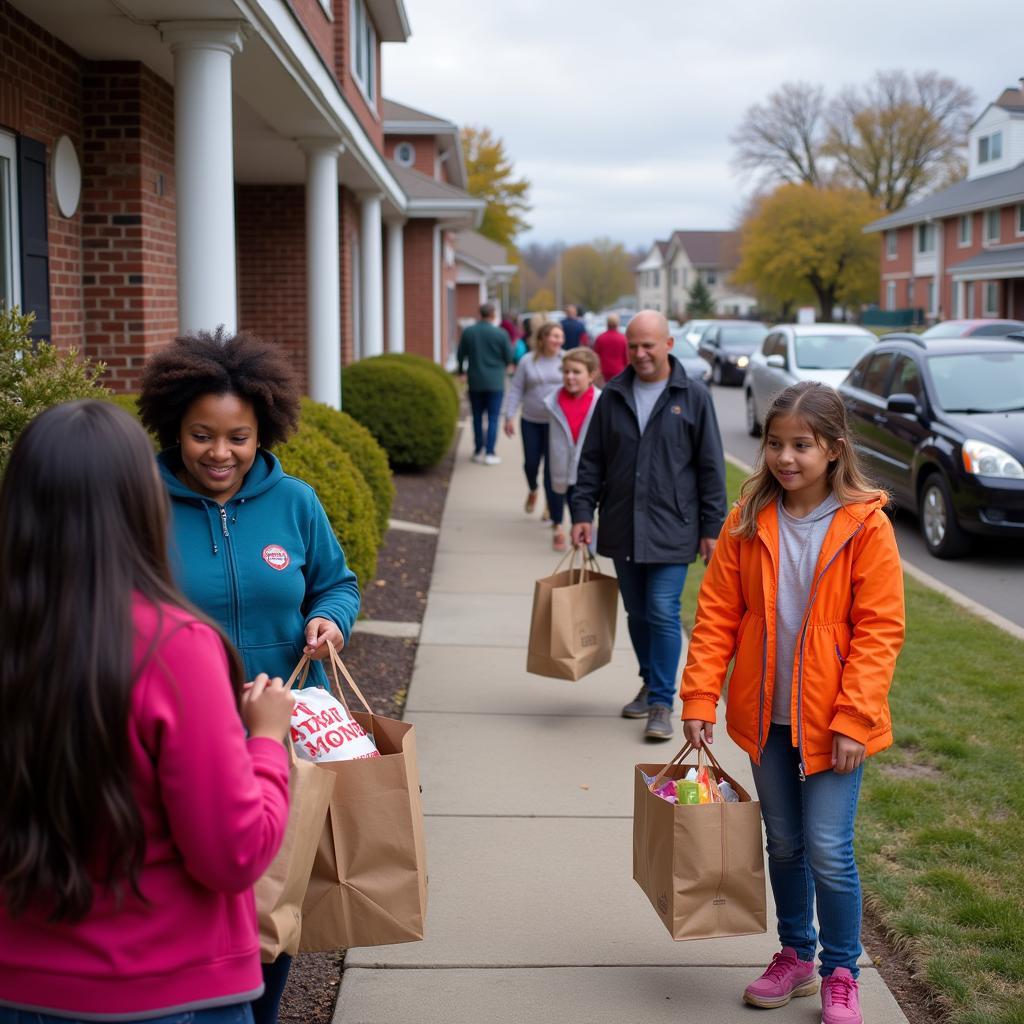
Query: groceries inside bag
[[323, 729]]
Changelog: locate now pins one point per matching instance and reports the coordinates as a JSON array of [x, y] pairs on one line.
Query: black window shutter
[[35, 254]]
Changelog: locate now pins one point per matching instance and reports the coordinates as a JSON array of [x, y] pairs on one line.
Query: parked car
[[940, 424], [794, 352], [973, 329], [683, 350], [693, 329], [727, 345]]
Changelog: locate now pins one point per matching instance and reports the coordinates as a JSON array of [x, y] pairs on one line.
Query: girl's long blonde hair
[[821, 408]]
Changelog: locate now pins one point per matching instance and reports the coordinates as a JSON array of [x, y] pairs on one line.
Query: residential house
[[960, 252], [670, 269], [167, 168], [483, 274]]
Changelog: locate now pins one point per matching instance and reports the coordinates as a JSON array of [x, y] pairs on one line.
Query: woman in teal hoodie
[[249, 545]]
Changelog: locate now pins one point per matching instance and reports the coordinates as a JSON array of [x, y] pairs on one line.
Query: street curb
[[968, 603]]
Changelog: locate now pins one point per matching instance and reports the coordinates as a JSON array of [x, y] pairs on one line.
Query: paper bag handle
[[337, 665], [703, 754]]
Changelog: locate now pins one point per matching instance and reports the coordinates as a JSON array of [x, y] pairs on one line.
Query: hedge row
[[409, 404]]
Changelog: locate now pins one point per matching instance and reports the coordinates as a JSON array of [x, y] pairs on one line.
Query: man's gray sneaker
[[659, 723], [638, 706]]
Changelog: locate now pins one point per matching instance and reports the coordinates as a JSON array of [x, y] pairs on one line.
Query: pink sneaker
[[840, 1000], [786, 976]]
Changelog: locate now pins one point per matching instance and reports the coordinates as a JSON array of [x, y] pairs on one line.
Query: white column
[[204, 171], [396, 286], [323, 290], [370, 246]]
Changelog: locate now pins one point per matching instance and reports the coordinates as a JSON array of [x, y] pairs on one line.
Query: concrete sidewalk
[[528, 792]]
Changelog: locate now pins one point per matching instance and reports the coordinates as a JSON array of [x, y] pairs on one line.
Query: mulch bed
[[382, 666]]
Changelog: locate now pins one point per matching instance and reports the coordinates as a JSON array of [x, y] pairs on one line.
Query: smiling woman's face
[[219, 439]]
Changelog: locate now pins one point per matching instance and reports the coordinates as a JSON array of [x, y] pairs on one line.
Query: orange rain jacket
[[846, 652]]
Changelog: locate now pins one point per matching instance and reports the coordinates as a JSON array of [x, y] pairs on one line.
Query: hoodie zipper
[[232, 570], [800, 660]]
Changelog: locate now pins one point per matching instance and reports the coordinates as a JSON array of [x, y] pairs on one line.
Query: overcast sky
[[620, 113]]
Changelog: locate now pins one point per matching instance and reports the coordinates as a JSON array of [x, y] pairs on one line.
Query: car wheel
[[716, 372], [942, 533], [753, 427]]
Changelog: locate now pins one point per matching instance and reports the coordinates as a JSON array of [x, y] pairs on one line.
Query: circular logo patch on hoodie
[[276, 557]]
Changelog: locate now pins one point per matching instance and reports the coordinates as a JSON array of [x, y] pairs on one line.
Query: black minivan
[[940, 424]]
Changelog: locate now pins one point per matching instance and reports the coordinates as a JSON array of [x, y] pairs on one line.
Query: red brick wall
[[270, 229], [40, 97], [467, 300], [368, 117], [426, 151], [318, 26], [349, 207], [129, 275], [419, 287]]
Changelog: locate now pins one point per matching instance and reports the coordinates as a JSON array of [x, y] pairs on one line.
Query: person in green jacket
[[485, 347]]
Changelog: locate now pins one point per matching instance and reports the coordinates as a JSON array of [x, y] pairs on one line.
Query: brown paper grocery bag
[[572, 627], [701, 866], [281, 890], [368, 886]]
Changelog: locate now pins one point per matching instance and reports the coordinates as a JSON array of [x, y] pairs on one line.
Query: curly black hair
[[215, 363]]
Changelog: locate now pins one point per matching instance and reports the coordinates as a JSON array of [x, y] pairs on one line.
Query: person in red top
[[570, 410], [612, 350]]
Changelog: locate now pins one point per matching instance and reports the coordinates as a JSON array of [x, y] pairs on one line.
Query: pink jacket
[[214, 807]]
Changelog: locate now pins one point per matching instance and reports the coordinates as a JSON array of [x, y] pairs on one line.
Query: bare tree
[[899, 135], [780, 140]]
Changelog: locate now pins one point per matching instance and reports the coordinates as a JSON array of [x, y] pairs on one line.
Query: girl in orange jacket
[[805, 595]]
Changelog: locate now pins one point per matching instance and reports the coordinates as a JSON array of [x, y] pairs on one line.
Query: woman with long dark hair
[[135, 815]]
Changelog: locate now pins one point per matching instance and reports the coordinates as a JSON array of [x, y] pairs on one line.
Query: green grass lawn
[[940, 834]]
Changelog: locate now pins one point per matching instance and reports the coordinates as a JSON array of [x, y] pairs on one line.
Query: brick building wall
[[348, 205], [368, 117], [41, 97], [317, 25], [425, 147], [467, 301], [419, 287], [129, 266], [270, 231]]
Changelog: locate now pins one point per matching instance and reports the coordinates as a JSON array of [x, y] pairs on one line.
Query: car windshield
[[748, 336], [950, 329], [830, 351], [979, 382]]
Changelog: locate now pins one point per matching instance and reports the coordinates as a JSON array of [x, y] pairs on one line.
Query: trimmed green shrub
[[371, 460], [411, 359], [345, 495], [34, 375], [407, 408]]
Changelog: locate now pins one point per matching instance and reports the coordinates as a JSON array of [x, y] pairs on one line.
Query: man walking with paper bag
[[653, 464]]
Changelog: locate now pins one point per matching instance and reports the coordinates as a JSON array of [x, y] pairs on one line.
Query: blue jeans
[[489, 402], [237, 1013], [810, 853], [651, 594], [535, 448], [275, 977]]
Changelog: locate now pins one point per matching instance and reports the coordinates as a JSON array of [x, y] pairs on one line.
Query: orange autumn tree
[[800, 237]]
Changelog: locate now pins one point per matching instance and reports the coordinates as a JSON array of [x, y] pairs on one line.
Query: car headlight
[[742, 361], [984, 459]]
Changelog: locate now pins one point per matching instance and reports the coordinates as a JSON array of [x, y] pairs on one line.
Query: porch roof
[[1003, 261]]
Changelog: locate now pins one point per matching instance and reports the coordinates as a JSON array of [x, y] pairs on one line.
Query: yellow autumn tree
[[490, 177], [800, 237]]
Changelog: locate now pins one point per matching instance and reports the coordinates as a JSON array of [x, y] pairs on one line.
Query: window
[[890, 295], [991, 298], [686, 277], [925, 238], [931, 297], [876, 372], [657, 279], [990, 147], [675, 276], [910, 292], [891, 240], [965, 230], [405, 154], [1020, 219], [711, 277], [971, 291], [10, 276], [364, 50], [992, 225], [906, 378], [774, 345]]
